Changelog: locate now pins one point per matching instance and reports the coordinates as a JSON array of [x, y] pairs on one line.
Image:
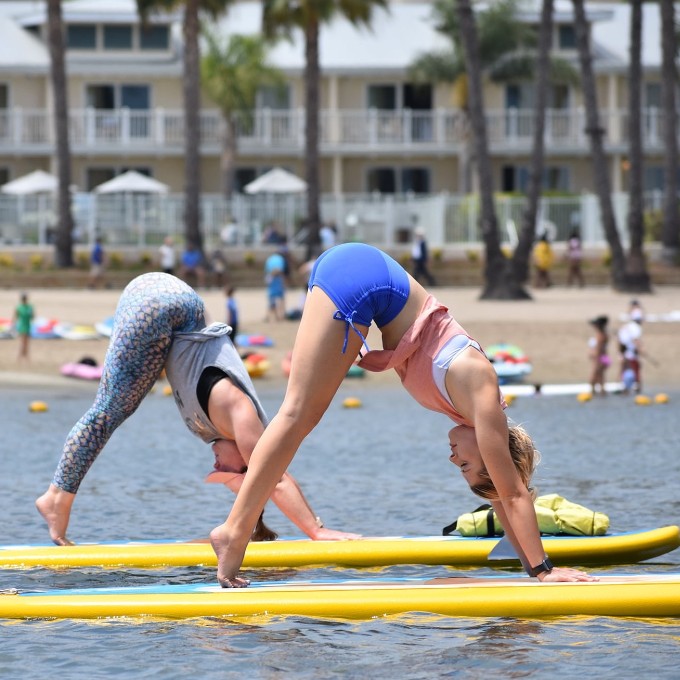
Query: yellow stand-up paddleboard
[[615, 548], [648, 595]]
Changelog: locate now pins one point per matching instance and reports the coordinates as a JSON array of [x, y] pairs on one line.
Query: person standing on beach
[[420, 257], [543, 262], [160, 323], [168, 256], [96, 264], [439, 364], [232, 313], [23, 317], [599, 356], [575, 259]]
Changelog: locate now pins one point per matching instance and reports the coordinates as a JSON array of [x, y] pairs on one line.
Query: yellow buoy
[[167, 391], [352, 402], [642, 400], [584, 396], [37, 406], [661, 398]]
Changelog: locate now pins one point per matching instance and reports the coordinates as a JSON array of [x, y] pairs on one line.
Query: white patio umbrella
[[36, 182], [132, 182], [277, 181]]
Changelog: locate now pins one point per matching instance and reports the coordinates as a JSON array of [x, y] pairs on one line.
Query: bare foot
[[55, 507], [229, 559]]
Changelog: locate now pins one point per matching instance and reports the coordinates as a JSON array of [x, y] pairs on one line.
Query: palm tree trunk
[[499, 279], [596, 132], [64, 239], [670, 235], [312, 83], [192, 132], [527, 236], [636, 276]]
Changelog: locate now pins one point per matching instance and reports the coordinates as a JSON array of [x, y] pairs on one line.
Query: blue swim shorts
[[365, 283]]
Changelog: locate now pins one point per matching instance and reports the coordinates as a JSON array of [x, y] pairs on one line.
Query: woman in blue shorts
[[160, 323], [351, 286]]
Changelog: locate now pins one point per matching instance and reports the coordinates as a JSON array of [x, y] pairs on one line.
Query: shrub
[[145, 259], [472, 255], [36, 261], [116, 261], [6, 260], [249, 258], [437, 254]]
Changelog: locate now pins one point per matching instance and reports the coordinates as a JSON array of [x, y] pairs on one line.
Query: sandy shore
[[552, 329]]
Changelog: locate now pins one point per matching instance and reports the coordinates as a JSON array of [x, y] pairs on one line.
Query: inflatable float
[[644, 595], [7, 329], [83, 371], [614, 548], [71, 331], [256, 364], [509, 362], [254, 341], [44, 329], [105, 327]]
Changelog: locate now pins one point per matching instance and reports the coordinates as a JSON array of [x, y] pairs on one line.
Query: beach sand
[[552, 329]]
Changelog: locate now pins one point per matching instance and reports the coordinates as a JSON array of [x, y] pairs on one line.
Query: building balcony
[[348, 132]]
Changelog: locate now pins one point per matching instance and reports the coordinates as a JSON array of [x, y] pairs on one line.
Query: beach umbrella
[[36, 182], [276, 181], [132, 182]]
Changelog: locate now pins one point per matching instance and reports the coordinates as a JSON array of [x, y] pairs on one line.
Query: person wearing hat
[[420, 256], [599, 357]]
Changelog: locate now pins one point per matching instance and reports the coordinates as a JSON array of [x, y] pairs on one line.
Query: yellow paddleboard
[[648, 595], [621, 548]]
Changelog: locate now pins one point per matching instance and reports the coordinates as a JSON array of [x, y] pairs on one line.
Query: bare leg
[[55, 507], [317, 370]]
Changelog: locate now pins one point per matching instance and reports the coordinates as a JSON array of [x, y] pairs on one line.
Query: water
[[379, 470]]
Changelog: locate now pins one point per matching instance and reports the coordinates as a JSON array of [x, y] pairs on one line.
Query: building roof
[[20, 52], [395, 39]]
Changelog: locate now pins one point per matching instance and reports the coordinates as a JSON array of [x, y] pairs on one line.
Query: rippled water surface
[[378, 470]]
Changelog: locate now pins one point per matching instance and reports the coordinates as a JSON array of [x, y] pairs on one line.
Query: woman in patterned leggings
[[157, 313]]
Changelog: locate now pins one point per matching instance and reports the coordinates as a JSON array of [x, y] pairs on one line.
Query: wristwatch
[[545, 566]]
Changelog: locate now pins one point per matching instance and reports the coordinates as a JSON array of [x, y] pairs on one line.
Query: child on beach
[[23, 316], [439, 364], [160, 324], [599, 357]]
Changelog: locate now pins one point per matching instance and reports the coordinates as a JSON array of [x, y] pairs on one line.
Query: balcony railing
[[162, 130]]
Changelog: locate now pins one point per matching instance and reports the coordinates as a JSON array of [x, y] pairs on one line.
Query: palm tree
[[670, 236], [280, 18], [520, 258], [636, 275], [500, 282], [232, 71], [628, 274], [64, 242], [191, 82]]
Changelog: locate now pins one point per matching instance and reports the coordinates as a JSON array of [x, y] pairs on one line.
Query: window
[[652, 95], [415, 180], [154, 38], [81, 37], [399, 180], [4, 96], [566, 37], [383, 180], [243, 176], [117, 37], [516, 178], [4, 176], [101, 97], [383, 97], [273, 97]]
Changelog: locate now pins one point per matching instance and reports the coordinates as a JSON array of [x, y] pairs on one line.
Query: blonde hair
[[524, 455]]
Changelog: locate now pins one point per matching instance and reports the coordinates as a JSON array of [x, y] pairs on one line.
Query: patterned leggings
[[152, 307]]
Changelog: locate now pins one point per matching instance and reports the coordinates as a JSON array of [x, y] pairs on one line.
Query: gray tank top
[[191, 353]]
